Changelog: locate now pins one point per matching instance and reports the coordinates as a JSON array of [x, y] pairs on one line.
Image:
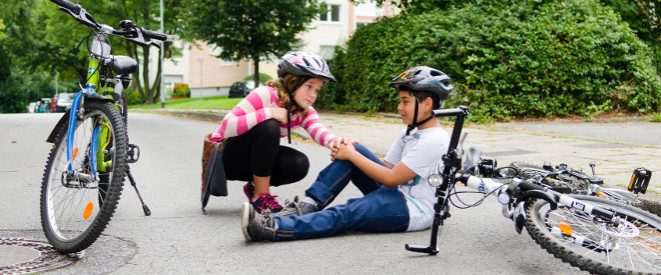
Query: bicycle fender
[[99, 98], [65, 118], [63, 121]]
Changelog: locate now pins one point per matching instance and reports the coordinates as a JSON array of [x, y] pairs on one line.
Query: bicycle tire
[[615, 195], [631, 247], [124, 108], [69, 218]]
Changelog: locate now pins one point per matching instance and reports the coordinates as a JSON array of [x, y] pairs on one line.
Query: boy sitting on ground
[[397, 196]]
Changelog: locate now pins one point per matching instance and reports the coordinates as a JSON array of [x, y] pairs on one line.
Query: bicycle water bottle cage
[[639, 180]]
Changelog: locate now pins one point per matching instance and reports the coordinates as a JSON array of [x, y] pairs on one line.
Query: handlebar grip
[[154, 35], [461, 110], [66, 4]]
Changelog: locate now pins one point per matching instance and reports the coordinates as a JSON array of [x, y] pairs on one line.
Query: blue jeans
[[381, 209]]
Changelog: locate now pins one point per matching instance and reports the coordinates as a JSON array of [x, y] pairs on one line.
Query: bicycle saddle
[[121, 64]]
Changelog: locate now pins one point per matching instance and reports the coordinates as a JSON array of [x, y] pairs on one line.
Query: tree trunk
[[133, 53], [156, 87], [149, 93], [256, 75]]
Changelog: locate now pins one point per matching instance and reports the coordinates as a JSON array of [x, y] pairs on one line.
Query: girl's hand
[[279, 114], [341, 140], [344, 152]]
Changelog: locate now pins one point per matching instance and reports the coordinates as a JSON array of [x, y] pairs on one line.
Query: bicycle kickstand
[[144, 206]]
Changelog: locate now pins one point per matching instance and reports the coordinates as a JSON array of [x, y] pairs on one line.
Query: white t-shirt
[[419, 151]]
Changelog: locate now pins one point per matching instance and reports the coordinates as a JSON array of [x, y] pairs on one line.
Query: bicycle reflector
[[639, 180]]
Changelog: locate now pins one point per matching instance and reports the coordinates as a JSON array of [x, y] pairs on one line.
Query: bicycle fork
[[96, 155]]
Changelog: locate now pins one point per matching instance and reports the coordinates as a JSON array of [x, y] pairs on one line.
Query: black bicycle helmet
[[305, 64], [420, 79], [425, 78]]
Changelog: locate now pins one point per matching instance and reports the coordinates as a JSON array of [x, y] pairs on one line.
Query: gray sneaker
[[307, 208], [256, 226], [295, 207], [290, 208]]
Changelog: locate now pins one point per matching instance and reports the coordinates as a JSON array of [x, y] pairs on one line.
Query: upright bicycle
[[85, 171], [594, 234]]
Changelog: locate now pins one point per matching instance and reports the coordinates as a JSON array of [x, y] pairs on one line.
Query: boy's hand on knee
[[344, 152]]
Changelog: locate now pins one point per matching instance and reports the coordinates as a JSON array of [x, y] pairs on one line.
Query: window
[[332, 15], [215, 51]]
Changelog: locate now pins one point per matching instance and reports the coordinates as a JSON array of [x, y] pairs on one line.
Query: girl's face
[[406, 107], [307, 93]]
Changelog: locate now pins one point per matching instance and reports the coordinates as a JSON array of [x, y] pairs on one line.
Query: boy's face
[[406, 107]]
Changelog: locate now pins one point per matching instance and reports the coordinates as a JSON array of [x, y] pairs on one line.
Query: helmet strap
[[415, 124], [292, 103]]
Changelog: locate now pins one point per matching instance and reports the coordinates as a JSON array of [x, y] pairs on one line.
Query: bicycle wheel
[[629, 243], [76, 207]]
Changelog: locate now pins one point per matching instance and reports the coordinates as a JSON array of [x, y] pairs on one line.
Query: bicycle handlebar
[[68, 5], [154, 35], [460, 111], [132, 34]]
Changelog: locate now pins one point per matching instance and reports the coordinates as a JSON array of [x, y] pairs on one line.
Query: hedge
[[506, 58]]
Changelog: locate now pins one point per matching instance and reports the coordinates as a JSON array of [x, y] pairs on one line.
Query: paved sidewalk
[[508, 142]]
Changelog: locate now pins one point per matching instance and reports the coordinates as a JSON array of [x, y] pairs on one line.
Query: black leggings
[[258, 152]]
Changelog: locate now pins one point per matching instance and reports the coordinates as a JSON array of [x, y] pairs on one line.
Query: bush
[[134, 97], [181, 90], [263, 78], [506, 58]]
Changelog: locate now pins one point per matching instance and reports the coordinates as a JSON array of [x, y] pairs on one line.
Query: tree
[[249, 29], [643, 18], [146, 14], [506, 59], [20, 41], [417, 6]]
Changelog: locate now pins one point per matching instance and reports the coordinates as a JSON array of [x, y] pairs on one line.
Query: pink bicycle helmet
[[305, 64]]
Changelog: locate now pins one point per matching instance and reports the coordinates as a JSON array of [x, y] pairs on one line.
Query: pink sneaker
[[249, 190], [266, 202]]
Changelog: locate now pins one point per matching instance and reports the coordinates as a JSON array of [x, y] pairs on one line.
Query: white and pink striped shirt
[[254, 109]]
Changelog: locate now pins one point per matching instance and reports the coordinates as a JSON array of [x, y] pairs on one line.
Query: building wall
[[209, 76]]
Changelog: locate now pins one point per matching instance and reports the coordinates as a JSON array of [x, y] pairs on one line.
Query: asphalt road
[[177, 238]]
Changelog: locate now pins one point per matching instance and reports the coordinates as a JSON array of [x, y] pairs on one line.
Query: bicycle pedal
[[133, 155], [639, 180]]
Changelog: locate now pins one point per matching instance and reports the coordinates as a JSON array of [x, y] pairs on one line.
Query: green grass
[[220, 102]]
